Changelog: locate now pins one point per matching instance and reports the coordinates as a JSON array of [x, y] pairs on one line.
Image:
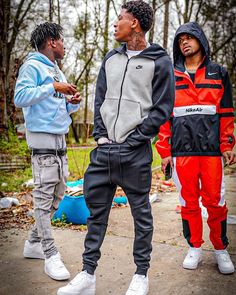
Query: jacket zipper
[[121, 90], [186, 76]]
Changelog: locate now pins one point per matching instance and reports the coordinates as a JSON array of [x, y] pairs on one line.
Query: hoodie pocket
[[129, 118], [120, 120], [109, 110]]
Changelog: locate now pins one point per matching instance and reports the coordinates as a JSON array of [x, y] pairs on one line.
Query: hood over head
[[195, 30]]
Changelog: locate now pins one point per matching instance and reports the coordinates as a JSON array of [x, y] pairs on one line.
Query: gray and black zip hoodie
[[135, 96]]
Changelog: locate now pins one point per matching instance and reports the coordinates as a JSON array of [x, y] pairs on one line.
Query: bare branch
[[17, 23], [179, 12], [222, 45], [114, 6], [190, 10], [198, 11]]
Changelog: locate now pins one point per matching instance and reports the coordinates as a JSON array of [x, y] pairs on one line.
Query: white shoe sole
[[33, 256], [192, 267], [85, 292], [225, 271], [57, 278], [146, 292]]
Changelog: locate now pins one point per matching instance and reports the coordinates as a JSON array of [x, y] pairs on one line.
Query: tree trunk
[[51, 11], [152, 30], [10, 27], [106, 29], [4, 31], [186, 19], [74, 130], [166, 24], [84, 129], [59, 12]]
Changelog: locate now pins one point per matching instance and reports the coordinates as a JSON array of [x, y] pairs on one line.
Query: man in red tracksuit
[[196, 139]]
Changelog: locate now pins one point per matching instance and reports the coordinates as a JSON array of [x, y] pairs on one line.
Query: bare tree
[[220, 22], [58, 12], [51, 8], [106, 29], [166, 24], [87, 33], [217, 18], [189, 11], [86, 84], [12, 22], [152, 30]]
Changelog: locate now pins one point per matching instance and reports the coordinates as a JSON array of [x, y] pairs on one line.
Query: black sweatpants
[[130, 168]]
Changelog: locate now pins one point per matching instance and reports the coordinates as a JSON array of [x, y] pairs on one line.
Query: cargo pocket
[[48, 168], [65, 167], [35, 171]]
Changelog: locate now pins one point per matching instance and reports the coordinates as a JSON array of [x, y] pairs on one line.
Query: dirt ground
[[19, 276]]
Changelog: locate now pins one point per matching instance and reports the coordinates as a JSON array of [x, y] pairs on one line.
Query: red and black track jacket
[[202, 122]]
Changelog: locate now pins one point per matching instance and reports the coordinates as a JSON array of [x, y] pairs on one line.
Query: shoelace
[[81, 277], [57, 259], [224, 257], [193, 254]]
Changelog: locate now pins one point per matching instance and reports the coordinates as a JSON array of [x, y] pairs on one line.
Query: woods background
[[88, 34]]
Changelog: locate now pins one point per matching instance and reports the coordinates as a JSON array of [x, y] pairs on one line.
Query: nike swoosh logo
[[139, 67], [210, 74]]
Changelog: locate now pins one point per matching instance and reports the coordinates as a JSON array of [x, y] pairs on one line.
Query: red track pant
[[202, 176]]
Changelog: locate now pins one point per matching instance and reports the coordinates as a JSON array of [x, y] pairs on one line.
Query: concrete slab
[[167, 277]]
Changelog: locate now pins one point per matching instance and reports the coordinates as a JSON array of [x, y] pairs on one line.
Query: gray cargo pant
[[50, 173]]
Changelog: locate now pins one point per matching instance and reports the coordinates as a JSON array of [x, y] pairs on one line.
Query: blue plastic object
[[75, 209], [120, 200], [75, 183]]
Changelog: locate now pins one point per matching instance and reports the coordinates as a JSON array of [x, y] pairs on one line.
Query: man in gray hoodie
[[134, 97]]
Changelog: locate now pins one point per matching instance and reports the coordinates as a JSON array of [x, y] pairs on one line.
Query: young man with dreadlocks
[[41, 90], [134, 97]]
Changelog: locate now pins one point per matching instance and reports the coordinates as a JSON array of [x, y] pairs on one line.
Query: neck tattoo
[[138, 42]]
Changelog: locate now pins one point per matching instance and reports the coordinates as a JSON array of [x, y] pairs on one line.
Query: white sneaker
[[33, 250], [224, 262], [193, 258], [138, 286], [82, 284], [55, 268]]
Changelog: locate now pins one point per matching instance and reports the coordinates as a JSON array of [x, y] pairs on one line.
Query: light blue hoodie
[[45, 110]]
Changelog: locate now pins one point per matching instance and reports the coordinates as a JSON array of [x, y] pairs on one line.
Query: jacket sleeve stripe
[[227, 115], [226, 110]]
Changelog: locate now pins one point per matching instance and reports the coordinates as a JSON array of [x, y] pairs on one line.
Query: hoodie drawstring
[[120, 167], [109, 166]]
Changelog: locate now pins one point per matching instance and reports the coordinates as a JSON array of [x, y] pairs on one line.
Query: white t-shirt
[[132, 53]]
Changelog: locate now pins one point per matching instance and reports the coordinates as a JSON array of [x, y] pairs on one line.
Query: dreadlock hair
[[43, 32], [142, 11]]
